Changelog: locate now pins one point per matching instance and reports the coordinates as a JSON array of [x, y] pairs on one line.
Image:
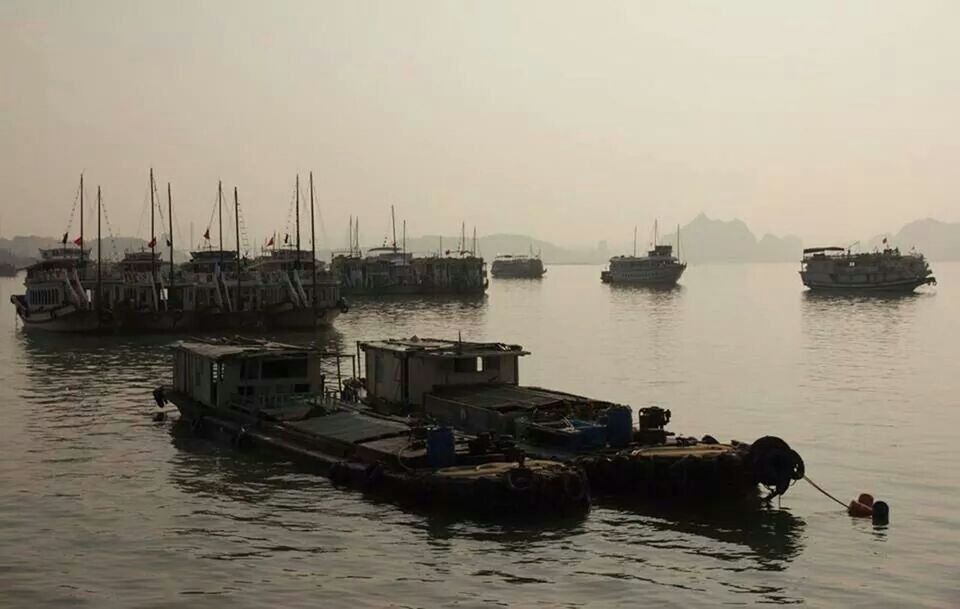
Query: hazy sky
[[568, 121]]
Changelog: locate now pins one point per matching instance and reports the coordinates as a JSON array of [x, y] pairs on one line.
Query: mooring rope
[[816, 486]]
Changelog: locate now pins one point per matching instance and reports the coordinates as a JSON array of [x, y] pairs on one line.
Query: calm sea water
[[102, 507]]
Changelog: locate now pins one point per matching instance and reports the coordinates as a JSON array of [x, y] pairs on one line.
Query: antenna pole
[[236, 213], [404, 236], [313, 249], [634, 241], [678, 242], [170, 223], [297, 264]]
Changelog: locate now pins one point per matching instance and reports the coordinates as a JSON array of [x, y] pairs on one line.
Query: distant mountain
[[935, 239], [706, 240]]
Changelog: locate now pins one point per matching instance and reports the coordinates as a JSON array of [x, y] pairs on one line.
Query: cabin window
[[466, 364], [284, 368], [491, 363]]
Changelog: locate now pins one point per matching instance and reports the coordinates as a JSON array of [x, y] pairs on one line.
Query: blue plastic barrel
[[619, 426], [441, 451]]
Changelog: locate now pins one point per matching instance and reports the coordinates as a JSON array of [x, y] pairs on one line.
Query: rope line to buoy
[[816, 486]]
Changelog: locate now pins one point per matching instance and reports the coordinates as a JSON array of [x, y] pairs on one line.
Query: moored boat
[[475, 388], [839, 269], [517, 266], [658, 268], [275, 396]]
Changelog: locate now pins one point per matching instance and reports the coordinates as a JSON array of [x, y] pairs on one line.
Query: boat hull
[[486, 488], [901, 286], [668, 276]]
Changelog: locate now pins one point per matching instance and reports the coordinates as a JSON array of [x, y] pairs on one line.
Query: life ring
[[373, 474], [575, 486], [520, 479], [159, 398], [240, 437]]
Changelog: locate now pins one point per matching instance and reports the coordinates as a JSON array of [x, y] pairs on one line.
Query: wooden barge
[[475, 388], [274, 396]]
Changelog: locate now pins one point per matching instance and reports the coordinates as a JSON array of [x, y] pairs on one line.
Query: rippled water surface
[[102, 507]]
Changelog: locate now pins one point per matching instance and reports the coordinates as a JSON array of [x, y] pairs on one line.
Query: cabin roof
[[221, 350], [434, 347], [818, 250], [504, 397]]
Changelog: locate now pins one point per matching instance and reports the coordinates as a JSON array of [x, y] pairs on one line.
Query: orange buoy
[[861, 507]]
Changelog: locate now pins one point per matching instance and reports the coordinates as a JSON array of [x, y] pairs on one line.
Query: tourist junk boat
[[392, 270], [517, 266], [838, 269], [274, 396], [658, 268], [475, 388], [216, 290]]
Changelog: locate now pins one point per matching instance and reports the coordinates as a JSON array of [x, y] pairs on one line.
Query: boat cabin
[[256, 374], [403, 371]]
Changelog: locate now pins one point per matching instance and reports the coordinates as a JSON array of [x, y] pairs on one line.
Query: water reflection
[[771, 537]]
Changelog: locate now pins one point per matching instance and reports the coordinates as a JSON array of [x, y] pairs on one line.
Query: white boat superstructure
[[659, 267], [837, 268]]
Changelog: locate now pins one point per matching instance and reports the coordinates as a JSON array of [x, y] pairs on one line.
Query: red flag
[[78, 241], [884, 240], [152, 243], [206, 234], [270, 242]]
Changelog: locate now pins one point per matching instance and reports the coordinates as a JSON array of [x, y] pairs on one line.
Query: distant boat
[[837, 268], [658, 268], [517, 266], [392, 271]]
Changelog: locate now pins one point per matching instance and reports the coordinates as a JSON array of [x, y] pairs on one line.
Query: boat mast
[[236, 212], [404, 236], [678, 243], [655, 233], [170, 223], [313, 248], [220, 218], [296, 264], [81, 221], [474, 254], [99, 258], [634, 241], [153, 243], [393, 224]]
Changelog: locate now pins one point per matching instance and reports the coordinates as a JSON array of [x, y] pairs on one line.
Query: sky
[[567, 121]]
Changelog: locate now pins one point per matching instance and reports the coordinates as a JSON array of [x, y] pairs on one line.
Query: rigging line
[[817, 486], [73, 209], [113, 238], [143, 210]]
